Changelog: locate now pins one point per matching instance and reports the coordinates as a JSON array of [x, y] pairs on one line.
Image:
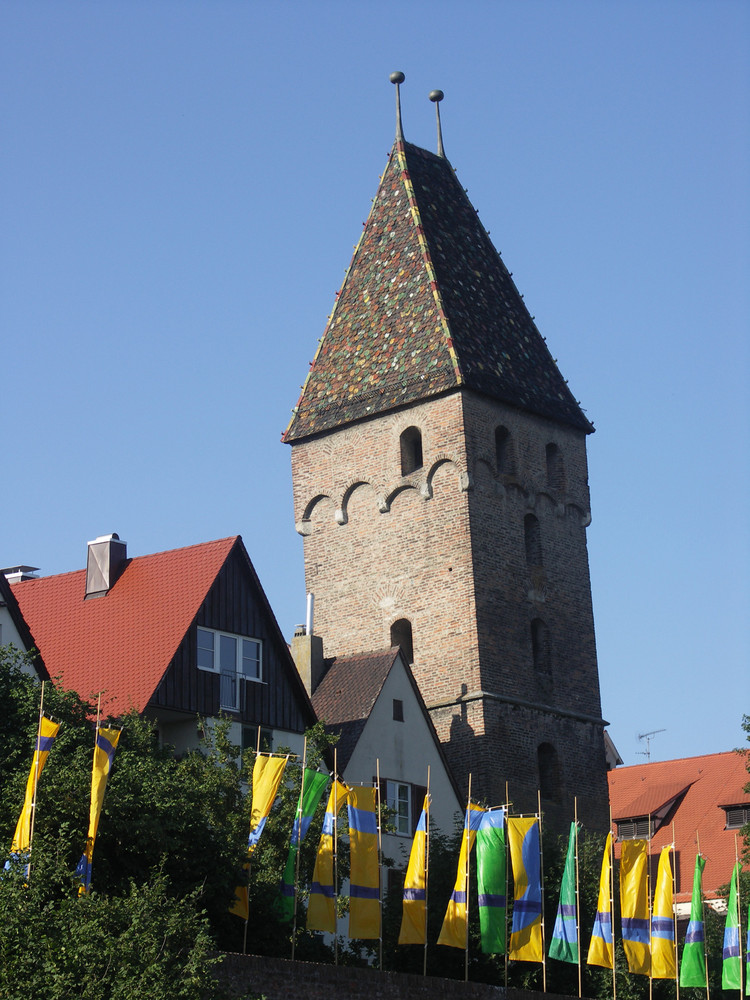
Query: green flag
[[313, 784], [491, 862], [731, 971], [564, 943], [693, 964]]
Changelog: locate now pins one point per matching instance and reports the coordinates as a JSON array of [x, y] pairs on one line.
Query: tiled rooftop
[[427, 306]]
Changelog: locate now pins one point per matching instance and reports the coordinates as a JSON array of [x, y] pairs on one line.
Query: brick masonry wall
[[444, 548], [279, 979]]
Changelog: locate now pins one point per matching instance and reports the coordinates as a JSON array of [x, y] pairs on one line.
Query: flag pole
[[249, 867], [650, 912], [739, 917], [426, 867], [703, 914], [335, 862], [505, 956], [36, 777], [380, 873], [578, 902], [612, 902], [299, 833], [541, 880], [674, 921], [466, 881]]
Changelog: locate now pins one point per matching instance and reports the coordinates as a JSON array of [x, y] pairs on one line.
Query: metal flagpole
[[380, 854], [36, 777], [299, 833], [426, 865], [578, 902], [466, 881], [541, 882]]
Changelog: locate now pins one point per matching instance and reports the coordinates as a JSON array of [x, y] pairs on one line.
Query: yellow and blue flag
[[600, 947], [364, 876], [104, 751], [491, 881], [414, 913], [634, 906], [525, 855], [453, 931], [321, 908], [267, 774], [663, 945], [46, 734]]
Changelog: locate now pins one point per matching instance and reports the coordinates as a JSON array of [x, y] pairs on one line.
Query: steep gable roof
[[427, 307], [695, 788], [122, 643], [8, 598]]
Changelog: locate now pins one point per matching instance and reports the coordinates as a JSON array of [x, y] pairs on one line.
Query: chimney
[[307, 652], [106, 560], [17, 574]]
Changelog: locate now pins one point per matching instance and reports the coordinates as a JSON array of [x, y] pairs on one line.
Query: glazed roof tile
[[708, 783], [121, 644], [427, 307]]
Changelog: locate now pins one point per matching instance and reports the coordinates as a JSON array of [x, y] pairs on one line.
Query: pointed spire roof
[[427, 307]]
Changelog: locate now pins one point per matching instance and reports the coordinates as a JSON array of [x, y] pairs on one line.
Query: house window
[[401, 635], [540, 646], [503, 450], [549, 771], [398, 797], [555, 470], [398, 710], [737, 816], [234, 658], [411, 450], [532, 540], [639, 828], [253, 740]]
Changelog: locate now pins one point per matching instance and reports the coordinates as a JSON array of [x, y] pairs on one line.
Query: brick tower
[[441, 486]]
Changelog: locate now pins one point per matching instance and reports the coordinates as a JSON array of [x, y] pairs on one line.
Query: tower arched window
[[549, 771], [532, 537], [401, 635], [504, 451], [411, 450], [555, 468], [540, 651]]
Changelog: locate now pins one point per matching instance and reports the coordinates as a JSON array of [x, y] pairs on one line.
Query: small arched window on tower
[[540, 646], [504, 451], [401, 635], [533, 540], [555, 468], [549, 771], [411, 450]]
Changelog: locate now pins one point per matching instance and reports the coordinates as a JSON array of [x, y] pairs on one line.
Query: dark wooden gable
[[236, 603]]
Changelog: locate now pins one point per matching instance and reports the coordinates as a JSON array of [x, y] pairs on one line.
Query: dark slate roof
[[427, 307], [347, 694]]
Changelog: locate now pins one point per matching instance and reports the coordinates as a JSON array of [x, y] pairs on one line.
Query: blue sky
[[183, 184]]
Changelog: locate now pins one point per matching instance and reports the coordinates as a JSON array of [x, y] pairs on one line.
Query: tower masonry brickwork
[[441, 487]]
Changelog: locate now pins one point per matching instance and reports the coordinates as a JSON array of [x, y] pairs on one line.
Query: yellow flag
[[634, 905], [46, 737], [663, 960], [453, 931], [414, 913], [600, 948], [364, 878], [267, 774], [525, 858], [321, 909], [104, 751]]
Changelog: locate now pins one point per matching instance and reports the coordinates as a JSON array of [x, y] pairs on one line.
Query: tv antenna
[[648, 737]]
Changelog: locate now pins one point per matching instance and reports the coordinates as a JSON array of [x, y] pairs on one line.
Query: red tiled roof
[[120, 644], [708, 783]]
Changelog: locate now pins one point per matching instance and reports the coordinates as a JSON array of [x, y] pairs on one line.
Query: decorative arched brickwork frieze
[[581, 516], [343, 509], [304, 525], [392, 496], [464, 480]]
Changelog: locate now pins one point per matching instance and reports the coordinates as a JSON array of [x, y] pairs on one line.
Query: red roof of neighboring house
[[697, 787], [120, 644]]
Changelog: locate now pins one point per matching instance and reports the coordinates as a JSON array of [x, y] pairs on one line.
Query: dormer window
[[234, 658], [639, 828], [411, 451], [737, 816]]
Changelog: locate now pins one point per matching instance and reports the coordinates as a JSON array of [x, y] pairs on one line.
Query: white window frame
[[392, 797], [229, 684]]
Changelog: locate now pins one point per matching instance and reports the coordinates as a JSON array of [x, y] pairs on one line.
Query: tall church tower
[[440, 484]]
